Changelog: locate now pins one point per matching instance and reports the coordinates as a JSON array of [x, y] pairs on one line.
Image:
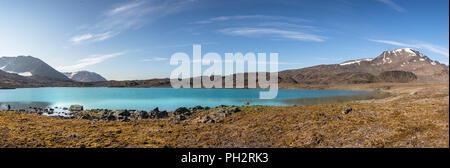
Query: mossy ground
[[401, 120]]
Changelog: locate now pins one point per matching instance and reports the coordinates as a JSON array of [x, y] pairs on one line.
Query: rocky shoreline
[[180, 114]]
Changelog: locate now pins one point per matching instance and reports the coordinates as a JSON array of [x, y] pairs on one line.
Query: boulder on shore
[[76, 108], [182, 111], [156, 114]]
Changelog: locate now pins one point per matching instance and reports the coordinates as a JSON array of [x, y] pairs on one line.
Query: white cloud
[[437, 49], [185, 45], [125, 7], [242, 17], [295, 35], [94, 59], [104, 36], [130, 15], [393, 5], [155, 59], [81, 38], [288, 25], [276, 27], [92, 37], [430, 47]]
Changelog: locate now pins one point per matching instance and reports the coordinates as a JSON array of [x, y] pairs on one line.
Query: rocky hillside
[[30, 67], [12, 80], [85, 76], [397, 76], [410, 62]]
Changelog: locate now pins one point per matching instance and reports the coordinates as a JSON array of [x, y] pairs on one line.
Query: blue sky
[[133, 39]]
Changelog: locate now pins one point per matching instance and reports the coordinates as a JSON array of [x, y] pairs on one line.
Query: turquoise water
[[149, 98]]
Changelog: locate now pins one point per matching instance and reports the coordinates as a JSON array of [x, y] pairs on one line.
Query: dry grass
[[402, 120]]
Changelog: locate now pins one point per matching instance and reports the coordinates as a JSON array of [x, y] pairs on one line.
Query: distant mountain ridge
[[400, 65], [85, 76]]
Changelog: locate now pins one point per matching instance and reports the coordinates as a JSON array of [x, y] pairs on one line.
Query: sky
[[134, 39]]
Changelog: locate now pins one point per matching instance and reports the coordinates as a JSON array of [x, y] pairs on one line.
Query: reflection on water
[[31, 105], [335, 99], [23, 105]]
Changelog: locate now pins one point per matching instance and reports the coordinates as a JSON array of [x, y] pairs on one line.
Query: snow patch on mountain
[[25, 74], [71, 74], [356, 61]]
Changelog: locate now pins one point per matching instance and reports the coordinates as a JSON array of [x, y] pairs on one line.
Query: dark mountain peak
[[29, 66], [85, 76]]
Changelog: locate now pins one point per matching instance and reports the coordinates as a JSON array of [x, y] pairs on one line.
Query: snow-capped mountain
[[405, 59], [368, 69], [28, 66], [85, 76]]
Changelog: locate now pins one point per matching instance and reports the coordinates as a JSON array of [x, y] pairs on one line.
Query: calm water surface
[[149, 98]]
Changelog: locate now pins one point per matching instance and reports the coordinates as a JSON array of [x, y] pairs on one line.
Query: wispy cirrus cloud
[[289, 25], [242, 17], [276, 33], [92, 37], [185, 45], [125, 7], [430, 47], [276, 27], [393, 5], [92, 60], [155, 59], [126, 16], [80, 38]]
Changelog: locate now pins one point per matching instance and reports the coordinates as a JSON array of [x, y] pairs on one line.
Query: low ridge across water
[[148, 98]]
